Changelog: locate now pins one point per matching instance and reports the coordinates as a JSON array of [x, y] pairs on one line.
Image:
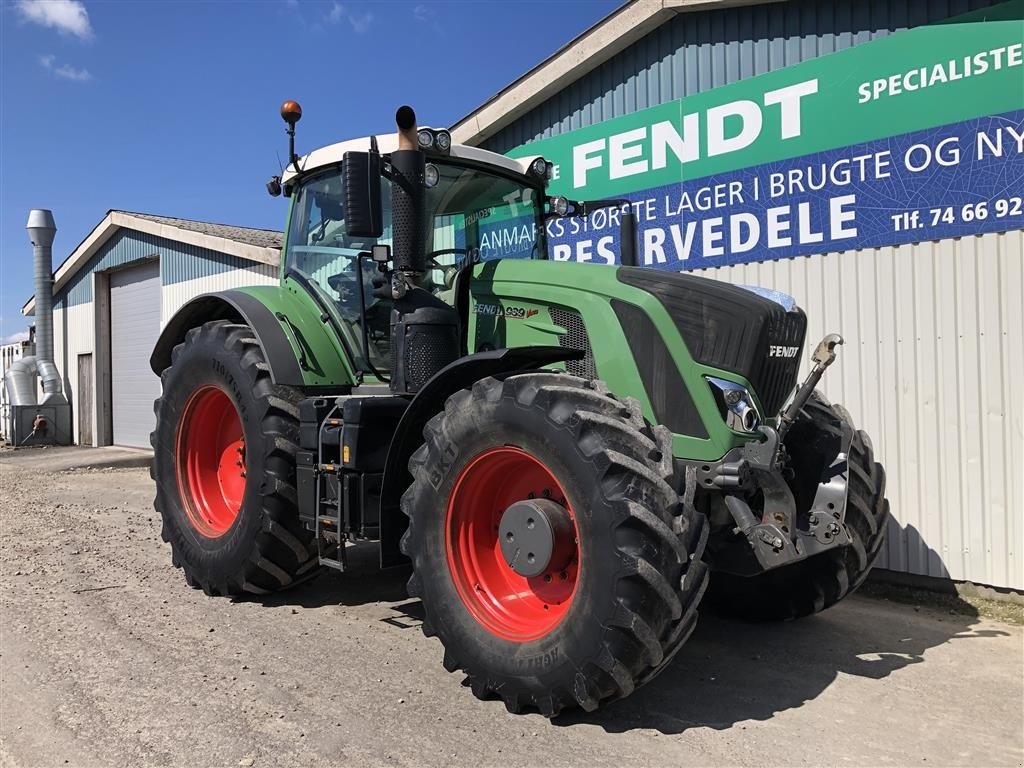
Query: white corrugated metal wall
[[74, 327], [176, 294], [930, 369]]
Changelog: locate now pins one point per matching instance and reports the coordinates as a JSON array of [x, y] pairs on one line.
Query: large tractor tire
[[812, 585], [224, 466], [618, 595]]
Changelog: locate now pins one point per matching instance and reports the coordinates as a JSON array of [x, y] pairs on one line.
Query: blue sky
[[171, 107]]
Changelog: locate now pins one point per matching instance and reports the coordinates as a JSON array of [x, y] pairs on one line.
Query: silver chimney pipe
[[19, 378], [41, 231]]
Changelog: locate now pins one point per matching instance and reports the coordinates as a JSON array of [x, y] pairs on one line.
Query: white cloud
[[427, 15], [68, 72], [66, 16], [16, 337], [64, 71], [360, 21]]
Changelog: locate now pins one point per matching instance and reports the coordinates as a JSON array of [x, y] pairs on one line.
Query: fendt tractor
[[568, 456]]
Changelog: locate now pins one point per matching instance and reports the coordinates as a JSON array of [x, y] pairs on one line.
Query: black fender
[[240, 307], [429, 401]]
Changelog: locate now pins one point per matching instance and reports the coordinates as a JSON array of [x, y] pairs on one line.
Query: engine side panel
[[518, 303]]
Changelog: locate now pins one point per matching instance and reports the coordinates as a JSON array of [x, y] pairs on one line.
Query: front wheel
[[224, 465], [554, 560]]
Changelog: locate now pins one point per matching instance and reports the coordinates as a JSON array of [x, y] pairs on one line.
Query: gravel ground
[[108, 658]]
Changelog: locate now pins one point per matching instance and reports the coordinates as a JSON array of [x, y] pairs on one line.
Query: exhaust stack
[[424, 330], [407, 214]]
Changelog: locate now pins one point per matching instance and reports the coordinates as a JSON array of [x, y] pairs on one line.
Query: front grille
[[777, 376], [575, 337]]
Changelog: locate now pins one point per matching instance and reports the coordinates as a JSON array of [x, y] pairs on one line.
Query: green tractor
[[572, 457]]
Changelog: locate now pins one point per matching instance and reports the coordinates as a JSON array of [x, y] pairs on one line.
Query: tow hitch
[[824, 355], [781, 535]]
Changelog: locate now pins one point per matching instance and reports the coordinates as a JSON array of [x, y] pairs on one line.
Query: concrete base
[[55, 420], [882, 576]]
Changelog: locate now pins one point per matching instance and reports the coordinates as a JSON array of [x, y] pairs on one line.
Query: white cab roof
[[388, 143]]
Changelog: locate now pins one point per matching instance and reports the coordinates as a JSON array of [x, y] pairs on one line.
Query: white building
[[112, 296], [8, 354]]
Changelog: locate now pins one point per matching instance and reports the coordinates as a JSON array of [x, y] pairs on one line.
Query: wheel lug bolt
[[547, 577], [564, 575]]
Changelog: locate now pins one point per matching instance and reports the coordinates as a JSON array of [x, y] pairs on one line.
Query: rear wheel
[[555, 561], [224, 466], [812, 585]]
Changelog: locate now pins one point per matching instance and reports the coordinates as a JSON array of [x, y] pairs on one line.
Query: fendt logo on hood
[[777, 351]]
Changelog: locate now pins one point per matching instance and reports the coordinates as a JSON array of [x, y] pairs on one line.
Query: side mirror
[[360, 180], [627, 237]]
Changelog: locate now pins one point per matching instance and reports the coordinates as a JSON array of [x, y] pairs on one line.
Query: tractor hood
[[756, 333]]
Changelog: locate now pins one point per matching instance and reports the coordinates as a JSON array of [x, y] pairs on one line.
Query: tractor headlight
[[425, 138], [735, 404], [539, 168], [443, 140]]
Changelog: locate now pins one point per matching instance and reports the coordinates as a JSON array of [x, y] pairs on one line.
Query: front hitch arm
[[824, 355]]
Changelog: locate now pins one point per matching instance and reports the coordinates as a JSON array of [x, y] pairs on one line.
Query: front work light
[[425, 138], [430, 175], [559, 205], [443, 140], [735, 404]]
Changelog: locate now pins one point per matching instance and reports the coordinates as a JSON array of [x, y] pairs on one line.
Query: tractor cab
[[466, 196]]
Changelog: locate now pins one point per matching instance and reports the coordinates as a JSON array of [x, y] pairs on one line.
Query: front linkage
[[781, 535]]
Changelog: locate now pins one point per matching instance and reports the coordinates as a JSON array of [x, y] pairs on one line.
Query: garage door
[[134, 326]]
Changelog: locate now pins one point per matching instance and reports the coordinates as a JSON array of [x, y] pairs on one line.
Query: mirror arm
[[362, 316]]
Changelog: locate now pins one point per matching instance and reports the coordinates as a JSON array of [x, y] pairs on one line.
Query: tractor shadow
[[730, 672], [363, 582]]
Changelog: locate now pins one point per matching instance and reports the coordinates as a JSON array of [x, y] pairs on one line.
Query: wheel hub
[[535, 534], [498, 493], [211, 463]]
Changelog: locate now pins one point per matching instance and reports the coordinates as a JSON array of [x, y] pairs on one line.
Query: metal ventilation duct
[[53, 412]]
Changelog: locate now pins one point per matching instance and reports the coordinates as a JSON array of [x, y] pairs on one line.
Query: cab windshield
[[471, 213]]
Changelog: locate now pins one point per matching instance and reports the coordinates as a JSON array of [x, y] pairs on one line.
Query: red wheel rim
[[211, 461], [509, 605]]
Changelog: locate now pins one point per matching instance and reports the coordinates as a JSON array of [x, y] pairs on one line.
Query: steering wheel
[[448, 270], [347, 287]]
